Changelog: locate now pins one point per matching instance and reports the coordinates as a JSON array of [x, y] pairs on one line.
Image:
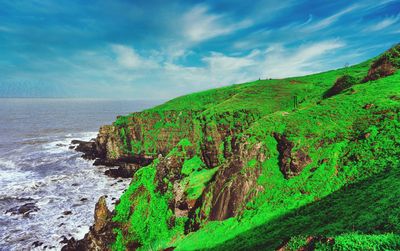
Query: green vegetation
[[347, 192], [196, 182], [192, 165], [144, 214], [393, 55], [355, 241], [340, 85], [370, 207]]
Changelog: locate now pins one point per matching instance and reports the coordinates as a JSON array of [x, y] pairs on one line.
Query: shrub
[[385, 65], [340, 85]]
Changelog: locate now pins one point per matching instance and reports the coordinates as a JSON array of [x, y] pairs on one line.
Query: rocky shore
[[101, 234], [108, 150], [118, 168]]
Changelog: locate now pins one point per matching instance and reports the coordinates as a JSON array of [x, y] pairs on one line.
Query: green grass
[[144, 214], [340, 124], [357, 212], [359, 241], [349, 191], [196, 182]]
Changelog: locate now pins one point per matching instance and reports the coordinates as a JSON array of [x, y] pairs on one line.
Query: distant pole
[[295, 102]]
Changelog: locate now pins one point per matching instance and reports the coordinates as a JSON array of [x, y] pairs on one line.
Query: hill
[[300, 163]]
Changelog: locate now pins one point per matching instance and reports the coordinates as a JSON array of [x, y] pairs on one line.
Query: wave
[[6, 164], [61, 144]]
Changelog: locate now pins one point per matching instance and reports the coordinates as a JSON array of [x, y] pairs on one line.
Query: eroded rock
[[100, 235], [290, 163], [233, 186], [101, 214]]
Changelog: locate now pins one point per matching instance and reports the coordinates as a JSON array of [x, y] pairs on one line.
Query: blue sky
[[162, 49]]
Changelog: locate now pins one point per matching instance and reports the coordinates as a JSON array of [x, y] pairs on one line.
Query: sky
[[119, 49]]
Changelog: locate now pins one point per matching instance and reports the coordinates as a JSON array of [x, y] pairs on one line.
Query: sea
[[47, 191]]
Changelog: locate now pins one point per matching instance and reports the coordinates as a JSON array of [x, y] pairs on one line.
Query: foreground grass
[[362, 216]]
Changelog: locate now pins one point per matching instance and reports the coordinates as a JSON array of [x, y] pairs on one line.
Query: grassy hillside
[[264, 96], [255, 170]]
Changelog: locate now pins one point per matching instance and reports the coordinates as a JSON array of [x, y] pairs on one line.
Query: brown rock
[[232, 187], [67, 212], [101, 214], [368, 106], [25, 209], [290, 164], [100, 235]]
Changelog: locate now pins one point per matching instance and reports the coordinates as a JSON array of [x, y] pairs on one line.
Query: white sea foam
[[66, 180], [6, 164], [81, 231], [12, 175], [62, 144], [38, 167]]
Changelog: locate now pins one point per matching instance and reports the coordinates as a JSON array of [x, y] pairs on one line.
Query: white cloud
[[326, 22], [129, 58], [275, 61], [384, 23], [314, 50], [219, 70], [256, 39], [291, 32], [284, 62], [199, 24], [221, 61], [130, 75]]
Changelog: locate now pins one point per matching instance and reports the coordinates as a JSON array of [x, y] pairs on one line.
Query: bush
[[340, 85], [385, 65]]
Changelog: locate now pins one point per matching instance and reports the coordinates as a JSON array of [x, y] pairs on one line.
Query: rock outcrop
[[106, 151], [100, 235], [24, 210], [235, 183], [217, 145], [290, 163]]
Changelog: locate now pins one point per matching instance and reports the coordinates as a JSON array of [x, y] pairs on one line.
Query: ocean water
[[38, 168]]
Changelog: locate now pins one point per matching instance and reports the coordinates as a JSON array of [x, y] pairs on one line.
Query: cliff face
[[241, 155]]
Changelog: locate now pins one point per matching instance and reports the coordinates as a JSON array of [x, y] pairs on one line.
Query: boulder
[[25, 209]]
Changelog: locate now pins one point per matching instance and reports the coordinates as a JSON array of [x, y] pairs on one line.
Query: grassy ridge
[[264, 96], [352, 139]]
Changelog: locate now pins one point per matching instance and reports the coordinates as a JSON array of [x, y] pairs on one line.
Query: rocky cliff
[[241, 156]]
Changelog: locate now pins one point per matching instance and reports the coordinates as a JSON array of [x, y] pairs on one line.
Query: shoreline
[[100, 233], [61, 199]]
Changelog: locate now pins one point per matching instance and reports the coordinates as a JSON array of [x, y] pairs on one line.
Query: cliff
[[217, 169]]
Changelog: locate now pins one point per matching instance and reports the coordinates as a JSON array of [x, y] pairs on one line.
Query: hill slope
[[249, 167]]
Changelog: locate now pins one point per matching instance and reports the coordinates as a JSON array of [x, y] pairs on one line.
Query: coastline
[[48, 190], [217, 164]]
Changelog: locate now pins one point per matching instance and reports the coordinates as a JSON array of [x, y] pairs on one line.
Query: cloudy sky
[[162, 49]]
